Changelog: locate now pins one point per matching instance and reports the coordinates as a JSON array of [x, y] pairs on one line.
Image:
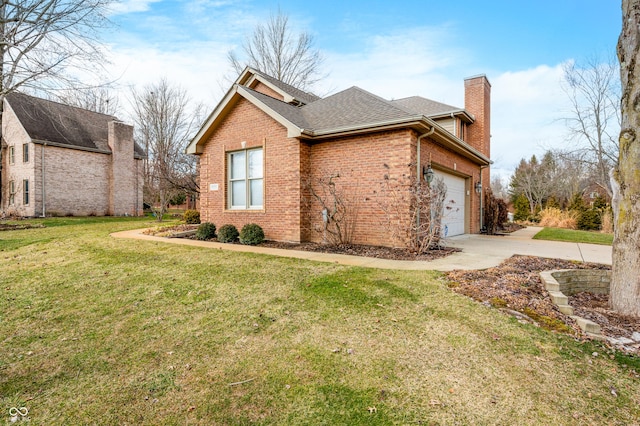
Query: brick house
[[59, 160], [266, 139]]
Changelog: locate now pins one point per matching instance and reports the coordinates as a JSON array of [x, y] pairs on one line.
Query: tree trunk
[[625, 280]]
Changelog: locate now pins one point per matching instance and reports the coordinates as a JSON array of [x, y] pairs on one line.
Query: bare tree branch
[[275, 50], [164, 124], [593, 90]]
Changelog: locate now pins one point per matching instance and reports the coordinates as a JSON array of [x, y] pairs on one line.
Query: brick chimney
[[123, 176], [477, 101]]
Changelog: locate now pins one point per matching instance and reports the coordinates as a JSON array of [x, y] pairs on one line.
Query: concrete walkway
[[478, 251]]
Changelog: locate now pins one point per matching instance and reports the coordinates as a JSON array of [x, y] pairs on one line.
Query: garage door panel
[[453, 215]]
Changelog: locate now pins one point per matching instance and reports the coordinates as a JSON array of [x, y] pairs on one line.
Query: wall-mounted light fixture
[[428, 174], [478, 188]]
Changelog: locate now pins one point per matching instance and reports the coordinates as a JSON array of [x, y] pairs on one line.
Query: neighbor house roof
[[352, 111], [63, 125]]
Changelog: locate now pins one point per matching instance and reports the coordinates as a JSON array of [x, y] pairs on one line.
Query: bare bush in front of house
[[413, 211], [495, 212], [338, 203]]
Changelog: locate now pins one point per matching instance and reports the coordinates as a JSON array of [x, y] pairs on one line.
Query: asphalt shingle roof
[[58, 123], [288, 111], [351, 107], [424, 106]]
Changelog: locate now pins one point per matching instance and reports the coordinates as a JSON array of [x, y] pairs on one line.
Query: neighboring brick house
[[266, 139], [59, 160]]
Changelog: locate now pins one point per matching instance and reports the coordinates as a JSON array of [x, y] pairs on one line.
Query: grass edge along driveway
[[103, 331], [574, 236]]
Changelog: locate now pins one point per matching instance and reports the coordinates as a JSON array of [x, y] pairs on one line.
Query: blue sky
[[393, 49]]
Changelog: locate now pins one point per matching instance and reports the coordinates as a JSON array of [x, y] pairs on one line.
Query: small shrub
[[589, 220], [227, 234], [521, 206], [178, 199], [251, 234], [191, 217], [206, 231]]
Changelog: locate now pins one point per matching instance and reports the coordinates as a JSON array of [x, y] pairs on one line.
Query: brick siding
[[76, 182], [291, 213], [280, 217]]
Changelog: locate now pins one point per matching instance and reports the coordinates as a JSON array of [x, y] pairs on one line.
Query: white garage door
[[454, 208]]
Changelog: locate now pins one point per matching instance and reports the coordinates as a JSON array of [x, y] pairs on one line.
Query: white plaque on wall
[[213, 187]]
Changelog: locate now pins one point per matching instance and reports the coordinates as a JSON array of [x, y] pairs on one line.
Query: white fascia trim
[[395, 124], [192, 148], [287, 97], [292, 130]]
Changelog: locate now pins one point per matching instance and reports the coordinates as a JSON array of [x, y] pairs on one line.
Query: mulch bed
[[515, 285], [595, 307], [361, 250]]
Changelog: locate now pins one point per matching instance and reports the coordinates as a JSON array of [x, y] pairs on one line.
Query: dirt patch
[[16, 226]]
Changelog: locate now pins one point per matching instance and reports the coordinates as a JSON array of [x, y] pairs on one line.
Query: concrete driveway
[[484, 251], [478, 251]]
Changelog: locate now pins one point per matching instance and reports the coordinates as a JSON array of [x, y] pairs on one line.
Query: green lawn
[[573, 236], [97, 330]]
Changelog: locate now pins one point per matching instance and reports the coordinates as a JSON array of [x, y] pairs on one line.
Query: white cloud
[[130, 6], [198, 69], [526, 110], [413, 62]]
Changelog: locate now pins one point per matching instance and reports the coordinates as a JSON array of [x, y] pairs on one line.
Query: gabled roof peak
[[290, 94]]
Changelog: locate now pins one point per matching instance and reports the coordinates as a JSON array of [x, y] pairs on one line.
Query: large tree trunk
[[625, 280]]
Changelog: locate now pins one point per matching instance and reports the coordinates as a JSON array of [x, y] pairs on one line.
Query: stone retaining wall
[[563, 282]]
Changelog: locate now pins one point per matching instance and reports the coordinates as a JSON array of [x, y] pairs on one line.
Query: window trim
[[25, 152], [12, 193], [246, 179], [12, 154], [25, 192]]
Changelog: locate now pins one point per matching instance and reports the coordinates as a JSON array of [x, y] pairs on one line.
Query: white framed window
[[12, 193], [25, 192], [245, 179], [12, 154], [25, 153]]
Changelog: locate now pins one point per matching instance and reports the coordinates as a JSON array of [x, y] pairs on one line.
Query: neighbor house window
[[25, 192], [25, 153], [12, 193], [245, 179]]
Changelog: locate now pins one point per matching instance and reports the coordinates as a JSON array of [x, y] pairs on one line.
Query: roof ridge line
[[61, 104]]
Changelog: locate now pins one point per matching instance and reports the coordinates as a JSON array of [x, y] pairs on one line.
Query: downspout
[[44, 193], [481, 197], [419, 170]]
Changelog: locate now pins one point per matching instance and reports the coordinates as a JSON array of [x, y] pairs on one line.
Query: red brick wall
[[264, 89], [280, 217], [362, 162], [290, 211]]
